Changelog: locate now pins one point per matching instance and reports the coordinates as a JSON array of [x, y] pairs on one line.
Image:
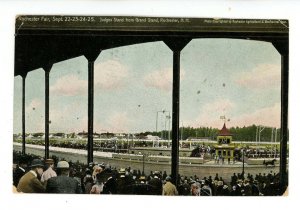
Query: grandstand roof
[[39, 44]]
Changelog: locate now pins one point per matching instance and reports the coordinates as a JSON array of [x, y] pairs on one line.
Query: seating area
[[133, 182]]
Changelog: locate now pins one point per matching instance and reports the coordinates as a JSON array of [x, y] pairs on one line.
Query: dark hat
[[23, 160], [108, 170], [37, 163]]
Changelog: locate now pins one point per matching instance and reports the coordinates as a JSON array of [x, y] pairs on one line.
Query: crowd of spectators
[[262, 153], [31, 174]]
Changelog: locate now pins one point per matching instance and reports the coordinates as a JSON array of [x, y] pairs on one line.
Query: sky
[[239, 79]]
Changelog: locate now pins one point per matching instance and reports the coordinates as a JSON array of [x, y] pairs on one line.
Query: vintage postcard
[[137, 105]]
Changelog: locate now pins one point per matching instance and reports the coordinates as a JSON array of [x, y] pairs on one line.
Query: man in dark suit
[[110, 186], [63, 183], [247, 188], [238, 189], [156, 183], [255, 189], [20, 171]]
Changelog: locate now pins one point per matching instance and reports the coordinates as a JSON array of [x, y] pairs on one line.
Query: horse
[[271, 162]]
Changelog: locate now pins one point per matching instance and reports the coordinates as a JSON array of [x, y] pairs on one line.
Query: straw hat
[[63, 164], [49, 161]]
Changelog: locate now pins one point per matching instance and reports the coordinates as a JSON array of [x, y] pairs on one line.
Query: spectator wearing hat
[[169, 188], [110, 186], [237, 190], [101, 178], [265, 189], [63, 183], [225, 191], [19, 171], [87, 181], [125, 179], [142, 180], [234, 179], [121, 181], [156, 183], [247, 188], [206, 190], [184, 188], [30, 182], [49, 172], [255, 189], [219, 188]]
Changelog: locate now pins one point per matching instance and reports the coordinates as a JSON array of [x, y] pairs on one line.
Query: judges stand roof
[[224, 131]]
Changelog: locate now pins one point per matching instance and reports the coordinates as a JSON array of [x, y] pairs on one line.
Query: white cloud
[[110, 75], [69, 85], [262, 76], [161, 79], [210, 114], [268, 116]]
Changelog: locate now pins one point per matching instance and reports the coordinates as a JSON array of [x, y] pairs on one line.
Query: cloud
[[110, 75], [69, 85], [268, 116], [210, 114], [262, 76], [161, 79]]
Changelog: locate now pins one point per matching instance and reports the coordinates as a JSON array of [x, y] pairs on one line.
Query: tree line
[[245, 133]]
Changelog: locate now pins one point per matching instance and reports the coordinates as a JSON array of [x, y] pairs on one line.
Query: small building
[[224, 147]]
